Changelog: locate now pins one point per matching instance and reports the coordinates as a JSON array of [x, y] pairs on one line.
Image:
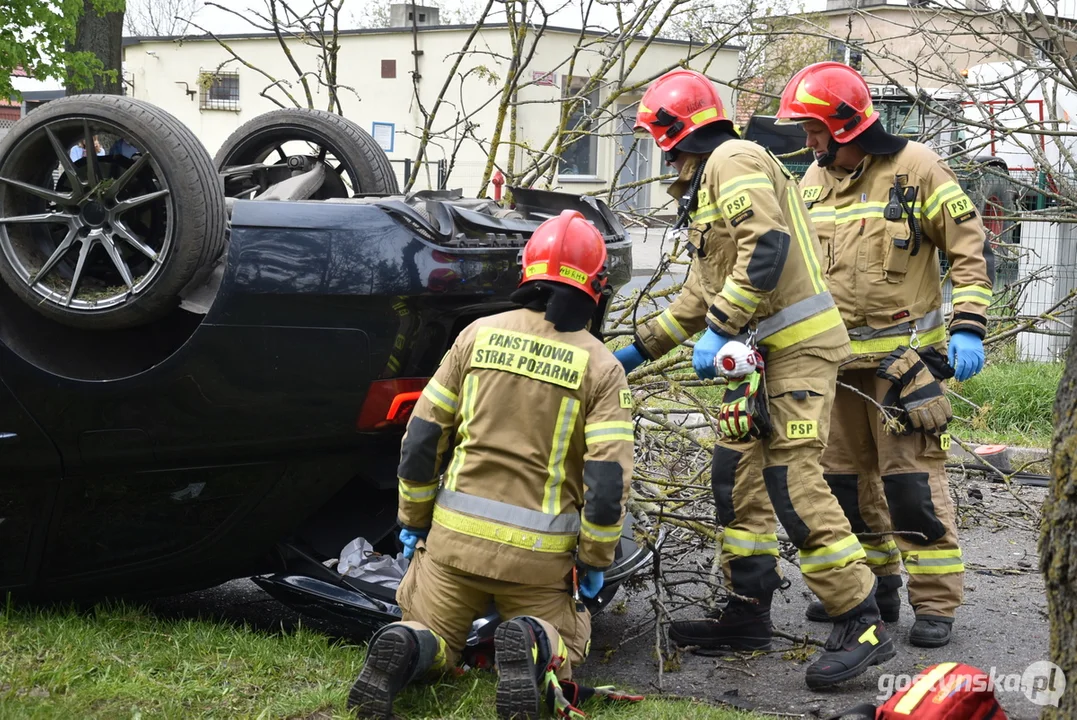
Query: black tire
[[188, 222], [368, 166]]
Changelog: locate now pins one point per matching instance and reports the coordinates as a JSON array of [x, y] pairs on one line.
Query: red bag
[[947, 691]]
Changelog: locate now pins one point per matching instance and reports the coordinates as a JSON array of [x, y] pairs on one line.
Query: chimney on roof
[[405, 15]]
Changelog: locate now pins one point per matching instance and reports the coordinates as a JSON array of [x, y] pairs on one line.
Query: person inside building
[[884, 207], [529, 417], [756, 274]]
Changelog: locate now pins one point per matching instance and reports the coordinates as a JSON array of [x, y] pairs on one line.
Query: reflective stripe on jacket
[[520, 452], [883, 290], [757, 264]]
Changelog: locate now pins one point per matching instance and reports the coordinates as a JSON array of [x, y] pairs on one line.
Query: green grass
[[1015, 399], [122, 662]]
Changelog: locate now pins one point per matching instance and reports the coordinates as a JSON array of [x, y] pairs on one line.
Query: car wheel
[[105, 239], [272, 147]]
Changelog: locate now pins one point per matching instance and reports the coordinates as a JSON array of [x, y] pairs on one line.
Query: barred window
[[218, 90]]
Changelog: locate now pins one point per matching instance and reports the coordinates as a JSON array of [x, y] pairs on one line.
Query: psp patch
[[801, 429], [626, 399], [736, 205], [961, 209], [812, 193]]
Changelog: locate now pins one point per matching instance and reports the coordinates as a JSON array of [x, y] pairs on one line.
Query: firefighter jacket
[[535, 428], [756, 262], [886, 284]]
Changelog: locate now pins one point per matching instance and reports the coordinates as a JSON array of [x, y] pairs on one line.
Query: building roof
[[135, 40]]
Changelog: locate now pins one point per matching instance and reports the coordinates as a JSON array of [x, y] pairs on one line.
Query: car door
[[30, 472]]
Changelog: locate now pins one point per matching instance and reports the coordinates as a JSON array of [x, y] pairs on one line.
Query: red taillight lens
[[389, 403]]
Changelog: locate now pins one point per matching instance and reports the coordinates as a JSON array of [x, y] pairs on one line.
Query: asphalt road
[[1002, 626]]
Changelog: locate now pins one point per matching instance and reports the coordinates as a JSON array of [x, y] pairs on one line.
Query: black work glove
[[919, 394]]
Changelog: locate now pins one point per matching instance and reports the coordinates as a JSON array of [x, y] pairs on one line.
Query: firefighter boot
[[886, 596], [931, 631], [395, 656], [526, 667], [740, 625], [858, 641]]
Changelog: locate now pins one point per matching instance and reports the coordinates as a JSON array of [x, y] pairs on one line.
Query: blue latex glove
[[629, 357], [968, 349], [706, 349], [591, 583], [410, 539]]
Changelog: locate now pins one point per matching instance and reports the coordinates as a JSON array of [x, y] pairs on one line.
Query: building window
[[422, 17], [218, 90], [848, 54], [581, 157], [388, 68], [1043, 49]]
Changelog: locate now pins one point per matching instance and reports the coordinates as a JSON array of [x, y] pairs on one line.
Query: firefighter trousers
[[782, 474], [446, 601], [886, 482]]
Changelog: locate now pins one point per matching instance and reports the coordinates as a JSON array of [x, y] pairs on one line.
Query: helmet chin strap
[[831, 154]]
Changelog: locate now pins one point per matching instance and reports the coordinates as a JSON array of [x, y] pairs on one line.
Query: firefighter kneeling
[[536, 416]]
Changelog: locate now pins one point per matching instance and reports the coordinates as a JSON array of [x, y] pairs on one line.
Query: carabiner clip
[[914, 339]]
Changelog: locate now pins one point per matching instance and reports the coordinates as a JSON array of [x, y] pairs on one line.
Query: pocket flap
[[814, 386]]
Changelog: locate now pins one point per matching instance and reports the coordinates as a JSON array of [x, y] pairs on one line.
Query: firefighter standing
[[533, 416], [757, 266], [883, 207]]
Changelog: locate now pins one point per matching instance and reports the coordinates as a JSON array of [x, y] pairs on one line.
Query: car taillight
[[389, 403]]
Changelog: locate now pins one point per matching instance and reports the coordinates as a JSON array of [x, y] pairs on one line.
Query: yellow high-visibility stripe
[[822, 213], [439, 658], [836, 555], [668, 322], [600, 533], [562, 432], [415, 493], [746, 544], [915, 694], [504, 534], [441, 396], [803, 330], [740, 297], [743, 182], [710, 214], [800, 229], [704, 115], [471, 389], [882, 554], [947, 191], [971, 294], [889, 344], [933, 562], [615, 430]]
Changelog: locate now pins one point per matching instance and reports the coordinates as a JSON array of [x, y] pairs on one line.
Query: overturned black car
[[206, 364]]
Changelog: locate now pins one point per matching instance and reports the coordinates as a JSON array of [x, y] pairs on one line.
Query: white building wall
[[162, 70]]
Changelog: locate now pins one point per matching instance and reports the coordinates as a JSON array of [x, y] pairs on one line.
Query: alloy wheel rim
[[79, 209]]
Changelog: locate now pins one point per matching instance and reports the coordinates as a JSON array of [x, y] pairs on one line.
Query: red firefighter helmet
[[675, 106], [832, 93], [567, 249]]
